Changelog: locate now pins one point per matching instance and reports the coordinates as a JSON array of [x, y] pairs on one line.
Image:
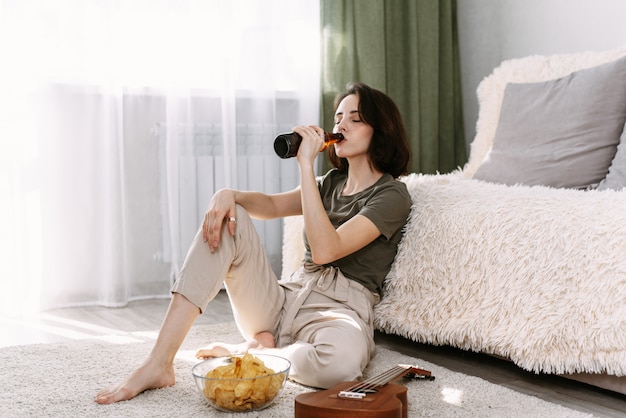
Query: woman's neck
[[360, 177]]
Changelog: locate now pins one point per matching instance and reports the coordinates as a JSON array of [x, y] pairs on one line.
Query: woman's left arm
[[347, 239]]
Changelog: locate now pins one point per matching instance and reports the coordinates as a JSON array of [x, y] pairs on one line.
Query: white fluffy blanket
[[533, 274]]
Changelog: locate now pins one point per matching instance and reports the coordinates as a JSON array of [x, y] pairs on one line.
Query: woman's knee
[[242, 216], [325, 365]]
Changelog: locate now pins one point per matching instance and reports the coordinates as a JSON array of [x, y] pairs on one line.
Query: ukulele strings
[[379, 380]]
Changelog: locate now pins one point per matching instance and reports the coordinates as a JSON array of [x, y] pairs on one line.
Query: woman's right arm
[[258, 205], [270, 206]]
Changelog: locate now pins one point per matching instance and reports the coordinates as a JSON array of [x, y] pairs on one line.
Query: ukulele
[[375, 397]]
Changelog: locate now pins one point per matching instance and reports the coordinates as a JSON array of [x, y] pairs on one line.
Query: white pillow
[[616, 179]]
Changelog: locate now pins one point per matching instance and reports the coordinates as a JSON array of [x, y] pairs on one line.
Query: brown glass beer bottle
[[286, 145]]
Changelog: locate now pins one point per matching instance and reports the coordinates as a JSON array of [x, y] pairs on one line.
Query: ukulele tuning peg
[[417, 376]]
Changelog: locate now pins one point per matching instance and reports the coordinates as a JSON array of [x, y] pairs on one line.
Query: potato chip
[[241, 395]]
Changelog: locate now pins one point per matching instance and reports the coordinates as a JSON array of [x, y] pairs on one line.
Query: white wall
[[491, 31]]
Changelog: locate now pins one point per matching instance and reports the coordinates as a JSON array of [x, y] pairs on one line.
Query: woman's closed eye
[[337, 122]]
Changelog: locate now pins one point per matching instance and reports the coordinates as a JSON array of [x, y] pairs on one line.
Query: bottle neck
[[332, 137]]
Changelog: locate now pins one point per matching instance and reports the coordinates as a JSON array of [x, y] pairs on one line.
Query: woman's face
[[357, 134]]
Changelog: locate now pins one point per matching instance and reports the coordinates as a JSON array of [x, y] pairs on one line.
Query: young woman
[[321, 318]]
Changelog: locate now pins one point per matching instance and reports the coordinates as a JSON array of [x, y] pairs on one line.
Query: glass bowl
[[254, 390]]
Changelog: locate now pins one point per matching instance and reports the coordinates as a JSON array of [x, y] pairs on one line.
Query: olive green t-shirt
[[387, 204]]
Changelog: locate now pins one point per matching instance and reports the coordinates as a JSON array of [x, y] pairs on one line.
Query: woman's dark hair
[[389, 150]]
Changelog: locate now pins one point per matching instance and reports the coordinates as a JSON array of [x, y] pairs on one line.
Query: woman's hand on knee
[[221, 210]]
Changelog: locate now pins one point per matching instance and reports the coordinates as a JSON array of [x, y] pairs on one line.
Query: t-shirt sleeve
[[388, 208]]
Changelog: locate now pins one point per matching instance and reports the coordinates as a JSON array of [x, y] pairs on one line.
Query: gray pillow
[[616, 179], [559, 133]]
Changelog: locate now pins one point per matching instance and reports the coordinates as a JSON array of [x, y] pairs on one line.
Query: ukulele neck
[[360, 390]]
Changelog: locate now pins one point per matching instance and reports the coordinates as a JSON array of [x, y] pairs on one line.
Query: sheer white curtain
[[119, 119]]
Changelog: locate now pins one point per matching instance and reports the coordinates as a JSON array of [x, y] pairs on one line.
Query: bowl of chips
[[241, 383]]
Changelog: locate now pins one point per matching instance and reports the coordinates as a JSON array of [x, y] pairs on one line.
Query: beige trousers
[[322, 321]]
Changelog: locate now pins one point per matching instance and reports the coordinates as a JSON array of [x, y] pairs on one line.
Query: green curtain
[[408, 49]]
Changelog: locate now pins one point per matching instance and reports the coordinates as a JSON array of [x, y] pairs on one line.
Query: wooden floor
[[74, 323]]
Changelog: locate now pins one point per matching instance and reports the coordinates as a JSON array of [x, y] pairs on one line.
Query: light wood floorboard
[[72, 323]]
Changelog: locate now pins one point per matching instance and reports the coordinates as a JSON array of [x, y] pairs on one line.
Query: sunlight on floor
[[77, 324], [452, 396], [129, 337], [23, 328], [52, 328]]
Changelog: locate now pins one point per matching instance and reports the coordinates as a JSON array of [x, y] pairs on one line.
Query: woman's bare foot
[[261, 340], [222, 350], [158, 370], [144, 378], [265, 339]]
